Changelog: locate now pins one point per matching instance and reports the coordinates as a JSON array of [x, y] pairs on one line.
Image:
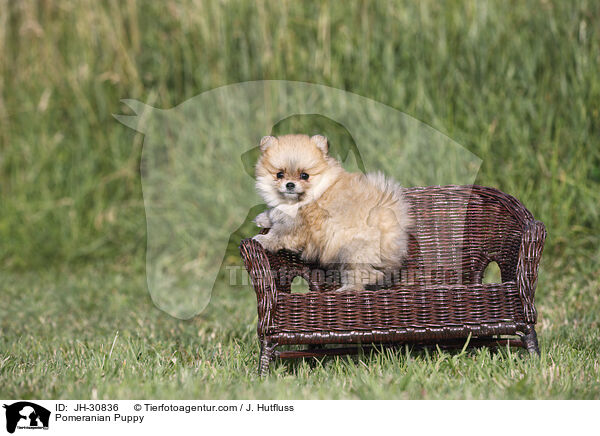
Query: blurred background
[[515, 82]]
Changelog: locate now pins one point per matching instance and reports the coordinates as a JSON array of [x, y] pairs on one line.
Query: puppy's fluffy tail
[[391, 194]]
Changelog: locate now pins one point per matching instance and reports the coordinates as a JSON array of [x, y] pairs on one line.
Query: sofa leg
[[266, 355], [530, 341]]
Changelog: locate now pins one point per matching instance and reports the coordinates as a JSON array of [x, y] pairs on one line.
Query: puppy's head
[[293, 168]]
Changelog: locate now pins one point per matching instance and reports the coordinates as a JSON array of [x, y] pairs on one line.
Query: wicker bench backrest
[[459, 230]]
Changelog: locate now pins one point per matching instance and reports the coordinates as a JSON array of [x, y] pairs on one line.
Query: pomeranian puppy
[[351, 221]]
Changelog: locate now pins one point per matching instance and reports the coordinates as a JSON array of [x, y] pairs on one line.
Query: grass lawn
[[95, 333], [516, 83]]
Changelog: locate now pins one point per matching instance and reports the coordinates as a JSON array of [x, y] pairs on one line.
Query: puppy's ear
[[321, 142], [266, 142]]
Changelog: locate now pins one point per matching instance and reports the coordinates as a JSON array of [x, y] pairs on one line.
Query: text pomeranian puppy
[[355, 222]]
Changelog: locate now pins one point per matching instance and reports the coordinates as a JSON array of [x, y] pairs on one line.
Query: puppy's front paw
[[266, 241], [263, 220]]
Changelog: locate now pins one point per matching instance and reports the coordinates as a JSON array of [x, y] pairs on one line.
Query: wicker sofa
[[437, 297]]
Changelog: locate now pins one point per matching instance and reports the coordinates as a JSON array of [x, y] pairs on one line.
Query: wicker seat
[[436, 297]]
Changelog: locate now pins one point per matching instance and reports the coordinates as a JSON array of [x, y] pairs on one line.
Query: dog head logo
[[26, 415], [196, 170]]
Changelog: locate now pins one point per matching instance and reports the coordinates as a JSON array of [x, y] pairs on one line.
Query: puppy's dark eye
[[304, 176], [280, 175]]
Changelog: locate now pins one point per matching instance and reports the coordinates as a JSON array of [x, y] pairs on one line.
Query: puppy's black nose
[[290, 186]]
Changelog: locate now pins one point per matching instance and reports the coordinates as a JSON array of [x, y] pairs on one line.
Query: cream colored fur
[[355, 221]]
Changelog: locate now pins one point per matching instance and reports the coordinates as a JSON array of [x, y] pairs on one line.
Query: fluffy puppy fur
[[355, 222]]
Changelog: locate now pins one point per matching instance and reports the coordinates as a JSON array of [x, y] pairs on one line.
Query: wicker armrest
[[530, 253], [286, 265], [257, 264]]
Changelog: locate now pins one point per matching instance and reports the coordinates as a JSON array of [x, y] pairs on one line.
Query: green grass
[[95, 333], [516, 83]]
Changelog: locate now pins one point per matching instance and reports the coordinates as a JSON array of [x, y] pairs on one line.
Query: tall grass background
[[515, 82]]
